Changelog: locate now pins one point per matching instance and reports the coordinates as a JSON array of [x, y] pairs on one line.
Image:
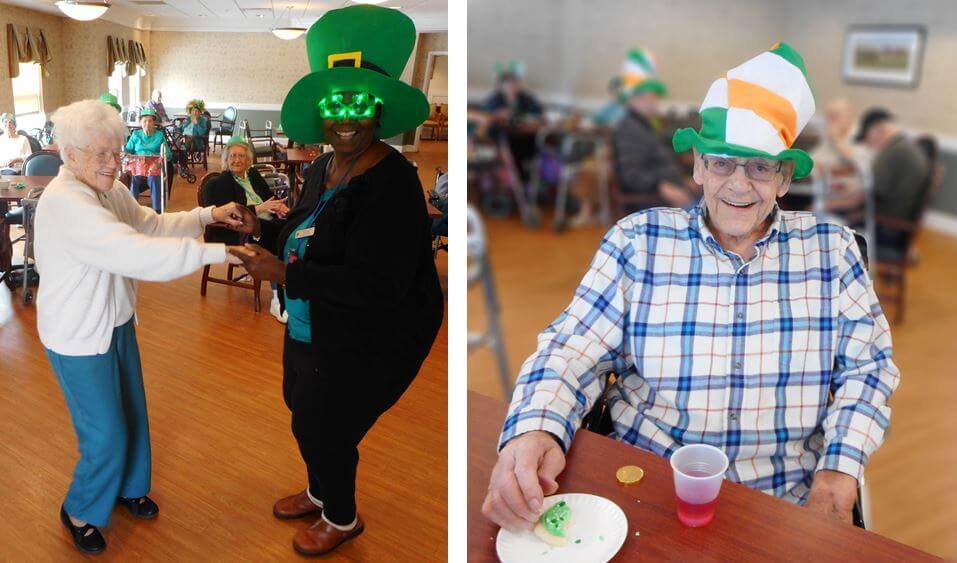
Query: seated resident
[[147, 141], [196, 126], [643, 164], [243, 184], [14, 147], [729, 324]]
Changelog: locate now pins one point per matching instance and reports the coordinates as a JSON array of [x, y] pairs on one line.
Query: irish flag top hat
[[757, 109], [638, 74]]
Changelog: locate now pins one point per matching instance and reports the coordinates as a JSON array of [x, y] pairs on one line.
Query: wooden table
[[295, 158], [748, 524], [8, 196]]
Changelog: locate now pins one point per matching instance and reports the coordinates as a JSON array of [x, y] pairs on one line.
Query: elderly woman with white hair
[[93, 241], [14, 147], [242, 183]]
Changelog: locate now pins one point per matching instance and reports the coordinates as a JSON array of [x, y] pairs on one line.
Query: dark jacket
[[901, 179], [375, 300], [226, 189], [642, 161]]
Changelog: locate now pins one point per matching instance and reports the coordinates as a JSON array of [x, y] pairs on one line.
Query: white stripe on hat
[[717, 95], [774, 73], [746, 128]]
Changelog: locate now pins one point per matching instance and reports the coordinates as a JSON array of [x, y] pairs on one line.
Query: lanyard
[[323, 201]]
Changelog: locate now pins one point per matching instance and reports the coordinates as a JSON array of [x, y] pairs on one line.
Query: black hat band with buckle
[[353, 59]]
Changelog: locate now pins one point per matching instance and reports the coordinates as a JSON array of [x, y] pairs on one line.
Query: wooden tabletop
[[748, 524], [301, 155], [14, 194]]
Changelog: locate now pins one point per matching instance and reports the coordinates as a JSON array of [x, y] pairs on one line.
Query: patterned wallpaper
[[251, 68], [78, 51], [85, 57], [52, 26]]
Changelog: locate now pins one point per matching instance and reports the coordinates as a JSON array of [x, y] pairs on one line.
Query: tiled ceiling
[[243, 15]]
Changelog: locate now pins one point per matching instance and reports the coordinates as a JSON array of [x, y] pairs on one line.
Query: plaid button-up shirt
[[783, 361]]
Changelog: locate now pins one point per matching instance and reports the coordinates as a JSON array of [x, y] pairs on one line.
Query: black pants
[[331, 412]]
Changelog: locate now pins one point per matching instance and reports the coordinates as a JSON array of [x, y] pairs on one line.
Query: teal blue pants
[[105, 395]]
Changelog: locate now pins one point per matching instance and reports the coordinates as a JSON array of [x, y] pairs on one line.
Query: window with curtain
[[115, 84], [28, 96]]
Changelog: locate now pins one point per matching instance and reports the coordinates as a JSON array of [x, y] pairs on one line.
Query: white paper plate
[[598, 522]]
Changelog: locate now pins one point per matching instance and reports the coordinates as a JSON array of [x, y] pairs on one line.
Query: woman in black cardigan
[[368, 288], [359, 282], [241, 183]]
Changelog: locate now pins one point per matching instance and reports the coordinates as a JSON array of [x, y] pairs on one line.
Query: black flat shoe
[[91, 542], [143, 508]]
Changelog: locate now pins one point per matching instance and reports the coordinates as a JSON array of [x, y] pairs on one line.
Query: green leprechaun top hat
[[110, 99], [638, 75], [756, 109], [360, 48]]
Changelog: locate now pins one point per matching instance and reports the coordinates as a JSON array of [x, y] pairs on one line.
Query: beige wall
[[78, 51], [414, 72], [52, 26], [817, 29], [85, 57], [572, 48], [250, 68]]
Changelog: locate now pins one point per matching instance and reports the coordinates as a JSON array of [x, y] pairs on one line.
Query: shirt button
[[732, 416], [737, 365], [740, 316]]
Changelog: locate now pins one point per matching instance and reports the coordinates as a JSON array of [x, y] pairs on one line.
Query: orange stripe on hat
[[769, 106]]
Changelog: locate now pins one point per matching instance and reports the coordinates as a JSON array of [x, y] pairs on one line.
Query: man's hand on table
[[524, 474], [832, 493]]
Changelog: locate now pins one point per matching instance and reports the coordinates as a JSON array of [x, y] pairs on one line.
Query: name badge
[[303, 233]]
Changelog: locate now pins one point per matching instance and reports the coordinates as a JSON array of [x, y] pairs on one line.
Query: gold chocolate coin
[[629, 474]]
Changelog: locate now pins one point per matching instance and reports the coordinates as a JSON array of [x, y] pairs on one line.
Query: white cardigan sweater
[[90, 247]]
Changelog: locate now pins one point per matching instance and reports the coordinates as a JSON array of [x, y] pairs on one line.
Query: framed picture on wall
[[884, 55]]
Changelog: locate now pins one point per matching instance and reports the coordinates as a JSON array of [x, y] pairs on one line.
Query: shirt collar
[[699, 211]]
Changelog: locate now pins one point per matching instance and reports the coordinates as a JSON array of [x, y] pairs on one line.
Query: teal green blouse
[[140, 143], [298, 309]]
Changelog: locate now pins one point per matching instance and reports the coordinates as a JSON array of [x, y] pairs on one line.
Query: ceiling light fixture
[[288, 32], [83, 10]]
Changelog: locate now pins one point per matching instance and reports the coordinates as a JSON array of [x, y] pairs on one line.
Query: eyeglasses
[[105, 156], [362, 106], [757, 169]]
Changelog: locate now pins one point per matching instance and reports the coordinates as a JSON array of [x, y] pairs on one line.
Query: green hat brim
[[147, 111], [403, 107], [686, 138], [650, 85], [115, 106]]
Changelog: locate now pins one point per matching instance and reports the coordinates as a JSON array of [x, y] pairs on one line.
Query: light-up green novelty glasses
[[362, 106]]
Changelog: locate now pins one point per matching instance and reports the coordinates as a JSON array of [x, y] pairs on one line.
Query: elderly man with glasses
[[735, 324]]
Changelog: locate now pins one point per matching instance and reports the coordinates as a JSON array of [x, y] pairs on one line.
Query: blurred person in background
[[837, 147], [156, 104], [516, 113], [901, 176], [643, 164], [681, 305], [841, 162]]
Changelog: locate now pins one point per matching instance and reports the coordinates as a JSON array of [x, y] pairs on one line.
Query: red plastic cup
[[698, 471]]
